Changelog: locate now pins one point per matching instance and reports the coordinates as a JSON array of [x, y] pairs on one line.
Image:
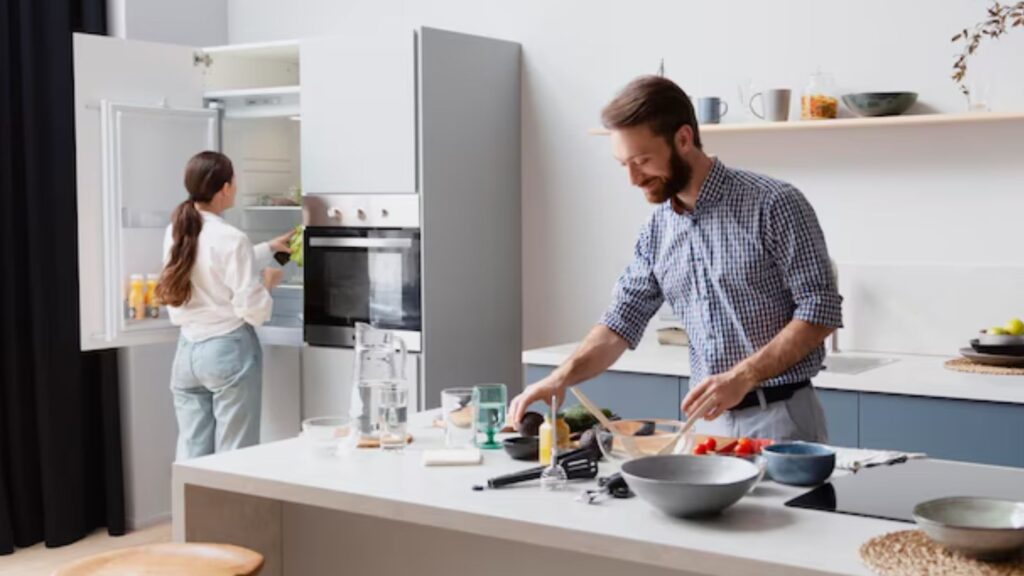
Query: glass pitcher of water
[[380, 361]]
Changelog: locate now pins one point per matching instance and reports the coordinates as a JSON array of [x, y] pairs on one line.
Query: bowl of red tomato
[[746, 448]]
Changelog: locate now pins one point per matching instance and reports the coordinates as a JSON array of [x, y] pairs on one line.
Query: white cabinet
[[359, 113], [326, 380], [327, 377], [281, 412]]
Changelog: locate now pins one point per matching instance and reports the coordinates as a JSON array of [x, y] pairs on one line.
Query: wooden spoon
[[627, 441], [690, 422]]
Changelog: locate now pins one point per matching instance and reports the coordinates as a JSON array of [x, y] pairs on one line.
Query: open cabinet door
[[138, 119]]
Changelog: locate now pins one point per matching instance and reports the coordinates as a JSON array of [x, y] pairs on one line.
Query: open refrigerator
[[142, 110]]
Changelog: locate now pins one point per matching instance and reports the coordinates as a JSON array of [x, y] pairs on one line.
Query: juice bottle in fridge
[[137, 297], [152, 301]]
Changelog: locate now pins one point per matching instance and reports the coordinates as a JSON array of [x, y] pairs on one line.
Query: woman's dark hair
[[205, 174], [655, 102]]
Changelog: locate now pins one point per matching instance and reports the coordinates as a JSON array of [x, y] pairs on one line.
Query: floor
[[42, 561]]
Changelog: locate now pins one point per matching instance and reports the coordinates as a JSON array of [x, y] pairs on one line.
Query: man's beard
[[680, 173]]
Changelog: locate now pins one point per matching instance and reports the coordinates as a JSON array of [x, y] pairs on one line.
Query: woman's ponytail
[[205, 174]]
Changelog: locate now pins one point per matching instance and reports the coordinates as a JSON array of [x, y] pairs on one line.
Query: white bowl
[[324, 435], [985, 528]]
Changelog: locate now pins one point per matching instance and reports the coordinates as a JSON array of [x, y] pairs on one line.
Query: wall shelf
[[272, 102], [274, 208], [854, 123]]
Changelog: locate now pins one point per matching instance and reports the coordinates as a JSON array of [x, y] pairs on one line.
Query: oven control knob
[[383, 213], [361, 214], [334, 212]]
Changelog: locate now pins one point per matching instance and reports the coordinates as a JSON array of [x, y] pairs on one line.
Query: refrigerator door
[[138, 119]]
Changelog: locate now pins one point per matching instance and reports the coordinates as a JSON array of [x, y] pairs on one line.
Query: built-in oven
[[367, 271]]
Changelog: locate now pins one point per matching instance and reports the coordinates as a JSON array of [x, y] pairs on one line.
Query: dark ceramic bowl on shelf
[[879, 103]]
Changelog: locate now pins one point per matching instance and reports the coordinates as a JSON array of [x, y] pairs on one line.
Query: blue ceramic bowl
[[799, 463]]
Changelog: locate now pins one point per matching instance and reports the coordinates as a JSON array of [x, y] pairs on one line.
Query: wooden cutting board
[[375, 443]]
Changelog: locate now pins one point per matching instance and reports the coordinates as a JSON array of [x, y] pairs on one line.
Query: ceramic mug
[[774, 105], [710, 110]]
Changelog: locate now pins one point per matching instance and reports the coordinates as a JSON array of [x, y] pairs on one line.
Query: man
[[742, 261]]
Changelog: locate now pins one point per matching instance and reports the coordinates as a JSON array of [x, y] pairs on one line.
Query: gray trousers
[[798, 418]]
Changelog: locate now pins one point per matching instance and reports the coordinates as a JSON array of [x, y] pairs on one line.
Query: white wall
[[186, 22], [902, 196]]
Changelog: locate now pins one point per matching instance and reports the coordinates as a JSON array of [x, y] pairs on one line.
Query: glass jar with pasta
[[819, 100]]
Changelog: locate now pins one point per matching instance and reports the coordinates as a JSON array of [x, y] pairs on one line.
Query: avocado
[[646, 429], [530, 424]]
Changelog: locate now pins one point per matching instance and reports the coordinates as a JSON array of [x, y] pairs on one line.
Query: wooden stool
[[172, 559]]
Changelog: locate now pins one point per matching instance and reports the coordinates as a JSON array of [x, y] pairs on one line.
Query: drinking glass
[[489, 403], [392, 401], [457, 407]]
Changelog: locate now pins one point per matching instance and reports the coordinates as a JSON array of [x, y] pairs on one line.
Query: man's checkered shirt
[[746, 261]]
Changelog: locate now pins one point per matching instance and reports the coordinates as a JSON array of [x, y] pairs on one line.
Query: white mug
[[774, 105]]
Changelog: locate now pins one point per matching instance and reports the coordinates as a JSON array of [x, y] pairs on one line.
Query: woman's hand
[[272, 277], [282, 243]]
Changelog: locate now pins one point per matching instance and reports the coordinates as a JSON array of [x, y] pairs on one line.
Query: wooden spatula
[[690, 422], [627, 442]]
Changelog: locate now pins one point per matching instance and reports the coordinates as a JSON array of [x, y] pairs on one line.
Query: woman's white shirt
[[226, 286]]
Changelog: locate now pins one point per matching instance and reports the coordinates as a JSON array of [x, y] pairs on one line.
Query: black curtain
[[60, 439]]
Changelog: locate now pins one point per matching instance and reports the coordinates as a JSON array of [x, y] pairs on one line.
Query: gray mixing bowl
[[686, 485], [984, 528], [879, 103]]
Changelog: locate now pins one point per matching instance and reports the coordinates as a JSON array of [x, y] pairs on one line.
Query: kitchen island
[[368, 512]]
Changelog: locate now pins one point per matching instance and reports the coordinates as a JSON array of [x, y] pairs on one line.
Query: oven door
[[367, 275]]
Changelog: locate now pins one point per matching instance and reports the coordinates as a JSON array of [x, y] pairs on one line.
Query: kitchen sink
[[852, 365]]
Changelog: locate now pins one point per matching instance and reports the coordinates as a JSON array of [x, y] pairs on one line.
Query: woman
[[212, 288]]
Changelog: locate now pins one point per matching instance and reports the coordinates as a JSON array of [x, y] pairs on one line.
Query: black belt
[[771, 394]]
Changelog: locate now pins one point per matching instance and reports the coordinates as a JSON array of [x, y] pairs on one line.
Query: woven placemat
[[971, 367], [911, 553]]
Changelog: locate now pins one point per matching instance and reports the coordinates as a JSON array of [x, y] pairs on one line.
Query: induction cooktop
[[891, 492]]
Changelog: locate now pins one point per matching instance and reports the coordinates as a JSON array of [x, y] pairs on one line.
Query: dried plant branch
[[1000, 18]]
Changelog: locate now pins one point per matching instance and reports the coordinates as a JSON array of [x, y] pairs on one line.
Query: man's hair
[[655, 102]]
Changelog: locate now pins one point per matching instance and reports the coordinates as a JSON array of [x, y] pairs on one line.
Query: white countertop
[[853, 371], [756, 536]]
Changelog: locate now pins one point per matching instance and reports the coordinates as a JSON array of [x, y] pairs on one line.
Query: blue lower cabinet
[[841, 416], [982, 432], [627, 394]]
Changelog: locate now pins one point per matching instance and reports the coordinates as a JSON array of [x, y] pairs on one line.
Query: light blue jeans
[[217, 386]]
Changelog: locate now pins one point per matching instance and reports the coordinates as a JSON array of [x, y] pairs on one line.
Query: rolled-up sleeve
[[250, 300], [797, 243], [637, 294], [264, 255]]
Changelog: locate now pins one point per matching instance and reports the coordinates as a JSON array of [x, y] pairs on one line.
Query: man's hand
[[282, 243], [542, 390], [727, 389]]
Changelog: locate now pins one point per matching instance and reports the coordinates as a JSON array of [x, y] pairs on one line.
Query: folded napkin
[[452, 457], [857, 458]]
